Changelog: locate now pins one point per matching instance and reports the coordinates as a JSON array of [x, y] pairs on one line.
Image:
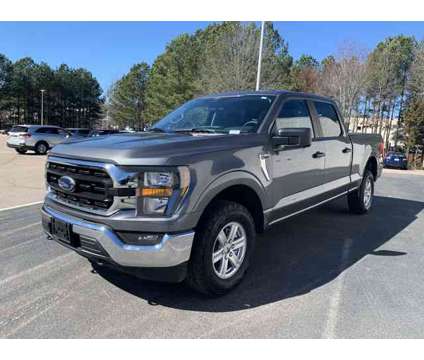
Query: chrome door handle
[[346, 150], [318, 154]]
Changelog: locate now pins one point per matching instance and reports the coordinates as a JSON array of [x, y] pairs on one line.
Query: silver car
[[35, 137]]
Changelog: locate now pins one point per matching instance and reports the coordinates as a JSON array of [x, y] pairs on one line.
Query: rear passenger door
[[297, 172], [338, 148]]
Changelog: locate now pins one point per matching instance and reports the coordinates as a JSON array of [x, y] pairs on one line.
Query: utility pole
[[42, 106], [258, 75]]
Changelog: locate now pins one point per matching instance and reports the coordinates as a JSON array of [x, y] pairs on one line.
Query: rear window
[[19, 129]]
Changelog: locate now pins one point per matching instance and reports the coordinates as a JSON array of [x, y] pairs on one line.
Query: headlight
[[160, 193]]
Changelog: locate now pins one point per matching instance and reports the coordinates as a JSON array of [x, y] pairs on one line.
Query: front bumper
[[171, 251]]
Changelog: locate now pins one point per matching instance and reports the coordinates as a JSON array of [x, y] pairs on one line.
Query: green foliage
[[304, 74], [414, 122], [72, 96], [127, 98], [172, 77]]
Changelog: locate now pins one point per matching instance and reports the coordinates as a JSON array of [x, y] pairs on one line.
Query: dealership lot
[[322, 274], [21, 176]]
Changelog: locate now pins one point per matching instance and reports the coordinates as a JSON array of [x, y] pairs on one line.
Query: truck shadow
[[292, 258]]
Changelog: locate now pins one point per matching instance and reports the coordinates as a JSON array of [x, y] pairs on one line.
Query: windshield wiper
[[195, 130], [156, 129]]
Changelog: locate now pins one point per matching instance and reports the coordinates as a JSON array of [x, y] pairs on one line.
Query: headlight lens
[[160, 193]]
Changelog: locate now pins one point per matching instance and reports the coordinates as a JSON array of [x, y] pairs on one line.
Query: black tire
[[357, 199], [41, 148], [21, 151], [202, 274]]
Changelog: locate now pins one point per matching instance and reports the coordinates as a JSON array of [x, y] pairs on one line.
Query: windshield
[[234, 115]]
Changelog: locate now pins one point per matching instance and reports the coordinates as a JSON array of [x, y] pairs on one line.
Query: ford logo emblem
[[67, 183]]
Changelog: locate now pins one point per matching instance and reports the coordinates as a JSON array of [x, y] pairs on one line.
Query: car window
[[19, 129], [41, 130], [294, 114], [328, 119]]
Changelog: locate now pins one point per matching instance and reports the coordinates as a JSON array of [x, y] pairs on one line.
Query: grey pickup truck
[[185, 199]]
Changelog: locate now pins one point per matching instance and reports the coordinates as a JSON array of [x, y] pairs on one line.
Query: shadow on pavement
[[292, 258]]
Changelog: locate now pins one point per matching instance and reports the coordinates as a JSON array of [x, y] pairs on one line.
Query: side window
[[41, 131], [328, 119], [53, 131], [294, 114]]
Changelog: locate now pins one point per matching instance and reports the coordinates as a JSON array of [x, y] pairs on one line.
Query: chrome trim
[[173, 249], [264, 168], [307, 208], [120, 179]]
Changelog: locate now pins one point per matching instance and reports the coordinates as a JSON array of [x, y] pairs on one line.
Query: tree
[[344, 78], [231, 60], [304, 74], [127, 98], [172, 77]]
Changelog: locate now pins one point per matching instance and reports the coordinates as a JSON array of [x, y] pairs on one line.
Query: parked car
[[79, 132], [185, 199], [396, 160], [35, 137]]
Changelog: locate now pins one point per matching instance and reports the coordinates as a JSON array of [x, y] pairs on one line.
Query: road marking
[[22, 228], [21, 206], [30, 270], [333, 309]]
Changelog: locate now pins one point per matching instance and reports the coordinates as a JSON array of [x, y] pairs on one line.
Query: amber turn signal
[[155, 192]]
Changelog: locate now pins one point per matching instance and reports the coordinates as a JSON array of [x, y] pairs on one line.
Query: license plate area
[[62, 231]]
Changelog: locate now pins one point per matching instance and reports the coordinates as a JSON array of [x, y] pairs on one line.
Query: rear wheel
[[222, 248], [21, 151], [41, 148], [360, 200]]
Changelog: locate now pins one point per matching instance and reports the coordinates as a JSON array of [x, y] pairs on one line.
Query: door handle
[[346, 150], [318, 154]]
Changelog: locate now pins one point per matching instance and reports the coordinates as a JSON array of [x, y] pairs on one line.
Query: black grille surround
[[93, 189]]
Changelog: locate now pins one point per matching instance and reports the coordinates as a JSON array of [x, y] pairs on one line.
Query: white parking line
[[333, 309], [11, 232], [21, 206]]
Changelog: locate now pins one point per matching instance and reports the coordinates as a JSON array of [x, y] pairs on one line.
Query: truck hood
[[151, 148]]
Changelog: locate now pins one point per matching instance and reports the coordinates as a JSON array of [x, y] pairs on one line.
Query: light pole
[[42, 106], [258, 75]]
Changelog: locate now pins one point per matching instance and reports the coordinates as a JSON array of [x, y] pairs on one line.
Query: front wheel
[[21, 151], [222, 248], [360, 200]]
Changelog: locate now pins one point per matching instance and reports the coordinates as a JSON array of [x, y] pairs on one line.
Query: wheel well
[[372, 166], [245, 196]]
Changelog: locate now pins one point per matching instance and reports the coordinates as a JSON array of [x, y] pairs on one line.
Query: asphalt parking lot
[[325, 273]]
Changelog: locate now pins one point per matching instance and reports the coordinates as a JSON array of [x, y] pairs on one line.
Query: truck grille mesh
[[93, 189]]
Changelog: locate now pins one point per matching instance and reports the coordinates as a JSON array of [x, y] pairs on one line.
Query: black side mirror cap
[[292, 138]]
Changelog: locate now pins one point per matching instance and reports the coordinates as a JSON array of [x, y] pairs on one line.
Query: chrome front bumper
[[173, 249]]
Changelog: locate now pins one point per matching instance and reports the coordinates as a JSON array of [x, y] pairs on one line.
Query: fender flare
[[237, 177]]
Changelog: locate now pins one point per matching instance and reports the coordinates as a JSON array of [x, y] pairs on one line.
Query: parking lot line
[[21, 206]]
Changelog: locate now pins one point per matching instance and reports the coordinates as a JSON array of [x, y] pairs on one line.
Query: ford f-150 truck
[[185, 199]]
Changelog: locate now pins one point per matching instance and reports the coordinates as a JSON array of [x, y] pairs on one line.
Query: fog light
[[154, 206], [136, 238]]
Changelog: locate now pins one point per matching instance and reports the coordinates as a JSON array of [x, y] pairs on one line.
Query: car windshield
[[234, 115]]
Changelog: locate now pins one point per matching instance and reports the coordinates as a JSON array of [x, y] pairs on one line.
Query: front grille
[[93, 186]]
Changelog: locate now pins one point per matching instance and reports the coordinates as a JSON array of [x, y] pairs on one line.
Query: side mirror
[[292, 138]]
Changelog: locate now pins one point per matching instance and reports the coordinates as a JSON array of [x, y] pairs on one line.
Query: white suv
[[35, 137]]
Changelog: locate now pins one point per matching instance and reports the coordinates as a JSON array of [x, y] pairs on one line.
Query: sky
[[109, 49]]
